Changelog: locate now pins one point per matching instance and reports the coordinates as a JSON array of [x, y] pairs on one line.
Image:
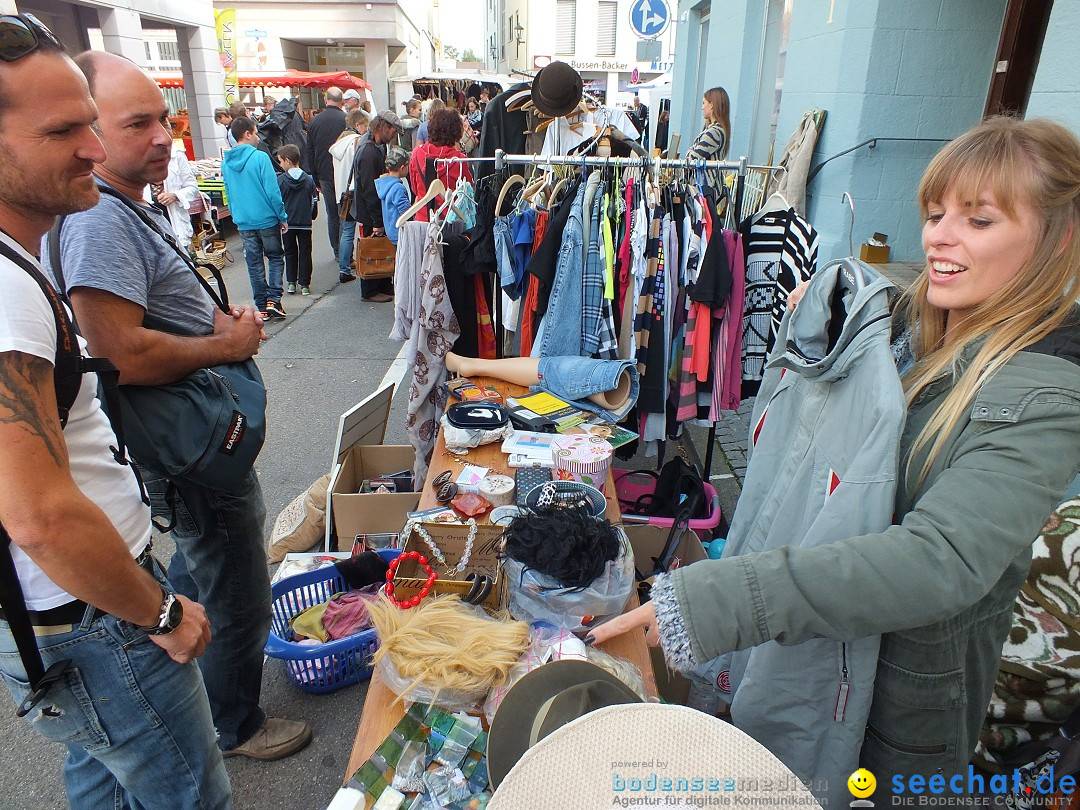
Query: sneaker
[[265, 315], [291, 289], [378, 298], [344, 278], [305, 290], [277, 739], [274, 309]]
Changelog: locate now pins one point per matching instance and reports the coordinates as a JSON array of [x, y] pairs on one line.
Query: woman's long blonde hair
[[721, 107], [1036, 162]]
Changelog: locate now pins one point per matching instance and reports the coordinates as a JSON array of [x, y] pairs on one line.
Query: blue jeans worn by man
[[266, 281], [145, 701], [345, 247], [221, 563]]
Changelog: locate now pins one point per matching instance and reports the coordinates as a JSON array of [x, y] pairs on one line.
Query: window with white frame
[[605, 31], [565, 26]]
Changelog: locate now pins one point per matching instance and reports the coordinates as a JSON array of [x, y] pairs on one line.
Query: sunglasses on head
[[22, 34]]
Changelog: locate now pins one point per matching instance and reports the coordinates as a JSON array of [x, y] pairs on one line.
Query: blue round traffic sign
[[649, 18]]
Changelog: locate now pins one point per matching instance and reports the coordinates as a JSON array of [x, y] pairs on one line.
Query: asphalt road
[[330, 352]]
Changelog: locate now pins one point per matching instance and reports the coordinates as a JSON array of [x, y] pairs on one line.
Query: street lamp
[[519, 31]]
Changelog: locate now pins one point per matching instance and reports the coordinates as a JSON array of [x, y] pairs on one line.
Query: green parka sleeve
[[1002, 472]]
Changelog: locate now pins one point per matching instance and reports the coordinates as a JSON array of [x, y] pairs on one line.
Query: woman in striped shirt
[[712, 143]]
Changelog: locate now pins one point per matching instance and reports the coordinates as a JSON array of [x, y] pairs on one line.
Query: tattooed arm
[[46, 513]]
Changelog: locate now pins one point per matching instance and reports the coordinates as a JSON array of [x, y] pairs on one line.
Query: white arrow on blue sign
[[649, 18]]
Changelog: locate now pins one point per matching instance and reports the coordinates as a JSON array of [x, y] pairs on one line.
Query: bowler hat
[[544, 700], [556, 89]]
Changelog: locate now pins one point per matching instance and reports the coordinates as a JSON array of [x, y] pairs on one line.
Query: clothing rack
[[742, 167]]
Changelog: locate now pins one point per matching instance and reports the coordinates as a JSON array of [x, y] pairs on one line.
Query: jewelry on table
[[464, 463], [391, 572], [436, 553]]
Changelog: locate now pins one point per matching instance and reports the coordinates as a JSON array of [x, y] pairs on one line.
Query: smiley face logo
[[862, 783]]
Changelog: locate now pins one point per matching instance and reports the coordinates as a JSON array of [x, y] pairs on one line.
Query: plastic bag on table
[[536, 597], [549, 643], [447, 699]]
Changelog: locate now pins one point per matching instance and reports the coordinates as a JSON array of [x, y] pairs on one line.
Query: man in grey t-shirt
[[118, 272]]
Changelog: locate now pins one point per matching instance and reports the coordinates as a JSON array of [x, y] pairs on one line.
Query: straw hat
[[675, 756], [556, 89]]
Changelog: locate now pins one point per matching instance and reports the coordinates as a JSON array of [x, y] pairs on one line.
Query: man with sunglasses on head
[[139, 304], [129, 703]]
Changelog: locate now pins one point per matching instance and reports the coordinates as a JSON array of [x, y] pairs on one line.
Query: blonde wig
[[443, 644], [1033, 162]]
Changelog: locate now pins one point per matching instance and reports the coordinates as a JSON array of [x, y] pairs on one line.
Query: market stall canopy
[[480, 76], [287, 78]]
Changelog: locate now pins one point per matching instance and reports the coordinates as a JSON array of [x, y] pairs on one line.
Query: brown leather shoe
[[277, 739], [378, 298]]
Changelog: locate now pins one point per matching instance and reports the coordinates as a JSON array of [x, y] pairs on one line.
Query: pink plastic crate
[[632, 485]]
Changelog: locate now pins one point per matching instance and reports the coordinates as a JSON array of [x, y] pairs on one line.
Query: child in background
[[393, 190], [300, 198], [258, 213]]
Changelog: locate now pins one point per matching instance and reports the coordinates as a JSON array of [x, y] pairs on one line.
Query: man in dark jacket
[[368, 165], [324, 129]]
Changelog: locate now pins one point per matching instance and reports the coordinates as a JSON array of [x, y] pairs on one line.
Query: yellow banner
[[225, 19]]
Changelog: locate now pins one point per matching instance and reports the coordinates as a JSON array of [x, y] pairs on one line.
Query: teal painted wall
[[1056, 90], [880, 68]]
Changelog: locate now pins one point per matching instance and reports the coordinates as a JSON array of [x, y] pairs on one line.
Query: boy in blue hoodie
[[300, 198], [393, 191], [259, 213]]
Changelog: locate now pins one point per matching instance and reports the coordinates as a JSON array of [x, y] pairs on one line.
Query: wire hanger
[[775, 202], [851, 224]]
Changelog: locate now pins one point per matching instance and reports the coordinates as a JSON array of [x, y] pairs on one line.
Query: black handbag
[[208, 427]]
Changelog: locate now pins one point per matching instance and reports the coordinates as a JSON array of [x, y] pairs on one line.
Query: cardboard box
[[359, 454], [874, 254], [648, 544], [451, 540]]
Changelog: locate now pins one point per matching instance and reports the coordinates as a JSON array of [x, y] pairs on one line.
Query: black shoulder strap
[[222, 300], [68, 366], [11, 593]]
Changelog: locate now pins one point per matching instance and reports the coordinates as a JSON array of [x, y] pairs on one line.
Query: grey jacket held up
[[938, 586], [824, 457]]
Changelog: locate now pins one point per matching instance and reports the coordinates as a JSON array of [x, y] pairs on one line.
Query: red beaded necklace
[[391, 572]]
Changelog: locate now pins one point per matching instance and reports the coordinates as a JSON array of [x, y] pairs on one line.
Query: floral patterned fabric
[[1038, 684]]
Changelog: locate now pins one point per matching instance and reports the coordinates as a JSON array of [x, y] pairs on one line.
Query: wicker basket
[[214, 252]]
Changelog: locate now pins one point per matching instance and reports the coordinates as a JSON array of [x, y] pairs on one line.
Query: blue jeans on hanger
[[562, 321]]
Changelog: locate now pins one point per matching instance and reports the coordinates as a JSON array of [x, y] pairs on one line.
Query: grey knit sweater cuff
[[674, 639]]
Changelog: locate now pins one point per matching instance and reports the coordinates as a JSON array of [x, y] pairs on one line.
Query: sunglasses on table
[[22, 34]]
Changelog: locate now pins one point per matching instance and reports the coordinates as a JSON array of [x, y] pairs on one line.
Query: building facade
[[905, 76], [596, 37]]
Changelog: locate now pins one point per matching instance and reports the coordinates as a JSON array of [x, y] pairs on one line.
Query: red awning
[[288, 78]]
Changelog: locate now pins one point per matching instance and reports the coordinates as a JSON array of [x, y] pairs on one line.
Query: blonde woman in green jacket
[[991, 442]]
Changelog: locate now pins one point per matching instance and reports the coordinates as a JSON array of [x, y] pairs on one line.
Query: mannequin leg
[[518, 370], [526, 371]]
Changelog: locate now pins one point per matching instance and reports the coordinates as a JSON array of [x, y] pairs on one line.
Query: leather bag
[[375, 257]]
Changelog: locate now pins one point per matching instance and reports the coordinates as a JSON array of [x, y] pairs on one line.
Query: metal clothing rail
[[742, 166]]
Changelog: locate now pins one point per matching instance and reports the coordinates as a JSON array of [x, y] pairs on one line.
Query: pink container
[[583, 458]]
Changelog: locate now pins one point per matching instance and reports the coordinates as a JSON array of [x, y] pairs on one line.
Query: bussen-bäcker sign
[[600, 64]]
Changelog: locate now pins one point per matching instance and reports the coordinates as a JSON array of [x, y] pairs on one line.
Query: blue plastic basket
[[319, 668]]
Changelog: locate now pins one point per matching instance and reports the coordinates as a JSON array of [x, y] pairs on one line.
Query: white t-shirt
[[27, 325]]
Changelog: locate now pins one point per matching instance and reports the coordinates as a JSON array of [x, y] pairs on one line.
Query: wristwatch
[[172, 613]]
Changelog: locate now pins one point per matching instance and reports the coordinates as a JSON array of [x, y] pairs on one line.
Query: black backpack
[[679, 492]]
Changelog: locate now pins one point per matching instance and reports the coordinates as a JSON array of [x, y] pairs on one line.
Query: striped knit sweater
[[781, 252]]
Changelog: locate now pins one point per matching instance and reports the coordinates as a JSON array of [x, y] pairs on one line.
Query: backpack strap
[[222, 300]]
